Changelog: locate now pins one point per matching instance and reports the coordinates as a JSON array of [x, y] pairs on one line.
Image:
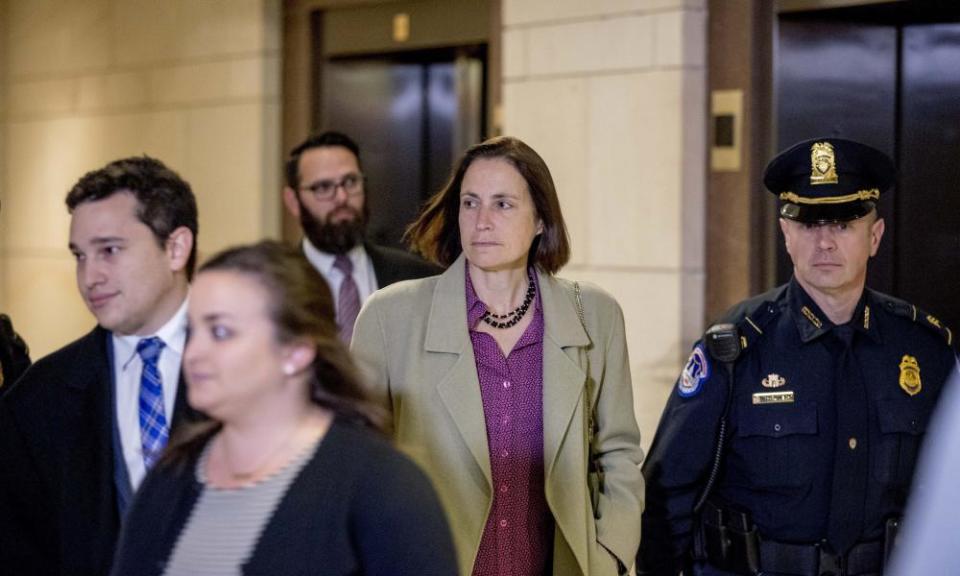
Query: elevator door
[[412, 117], [896, 86]]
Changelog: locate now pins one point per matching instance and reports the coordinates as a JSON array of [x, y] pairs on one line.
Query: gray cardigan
[[357, 507]]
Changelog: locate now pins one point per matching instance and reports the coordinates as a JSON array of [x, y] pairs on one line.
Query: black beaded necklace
[[510, 319]]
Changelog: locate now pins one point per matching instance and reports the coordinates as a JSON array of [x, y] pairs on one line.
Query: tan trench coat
[[412, 340]]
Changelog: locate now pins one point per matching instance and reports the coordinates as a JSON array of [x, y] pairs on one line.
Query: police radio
[[723, 344]]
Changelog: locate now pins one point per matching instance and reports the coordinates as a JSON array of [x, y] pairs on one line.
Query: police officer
[[14, 356], [789, 444]]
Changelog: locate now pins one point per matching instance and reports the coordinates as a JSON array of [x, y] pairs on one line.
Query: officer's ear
[[787, 237], [876, 234]]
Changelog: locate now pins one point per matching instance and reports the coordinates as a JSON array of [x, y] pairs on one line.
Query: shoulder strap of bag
[[589, 383]]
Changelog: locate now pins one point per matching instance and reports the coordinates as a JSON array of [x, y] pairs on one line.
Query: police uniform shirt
[[815, 437]]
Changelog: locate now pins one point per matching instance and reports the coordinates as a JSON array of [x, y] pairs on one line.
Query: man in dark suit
[[81, 427], [326, 191]]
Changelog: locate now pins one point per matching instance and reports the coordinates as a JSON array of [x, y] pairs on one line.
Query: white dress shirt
[[363, 273], [127, 368]]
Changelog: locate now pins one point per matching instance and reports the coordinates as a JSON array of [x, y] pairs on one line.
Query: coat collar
[[447, 329], [812, 322]]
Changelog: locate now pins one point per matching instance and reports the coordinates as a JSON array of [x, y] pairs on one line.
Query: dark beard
[[336, 238]]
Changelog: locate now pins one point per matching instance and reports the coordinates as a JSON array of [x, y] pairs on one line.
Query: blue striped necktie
[[154, 431]]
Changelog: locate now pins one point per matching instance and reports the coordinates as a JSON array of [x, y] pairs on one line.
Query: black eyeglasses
[[352, 184]]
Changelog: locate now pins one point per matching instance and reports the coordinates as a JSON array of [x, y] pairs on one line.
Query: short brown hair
[[165, 201], [327, 139], [436, 232]]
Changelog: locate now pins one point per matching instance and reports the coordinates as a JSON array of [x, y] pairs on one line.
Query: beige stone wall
[[612, 94], [192, 82]]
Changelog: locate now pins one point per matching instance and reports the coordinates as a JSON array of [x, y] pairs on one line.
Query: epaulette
[[905, 309], [752, 316]]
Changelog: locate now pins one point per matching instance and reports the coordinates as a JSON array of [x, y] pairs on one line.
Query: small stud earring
[[288, 369]]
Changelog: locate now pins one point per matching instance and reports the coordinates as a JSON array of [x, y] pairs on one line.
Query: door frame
[[300, 84], [742, 232]]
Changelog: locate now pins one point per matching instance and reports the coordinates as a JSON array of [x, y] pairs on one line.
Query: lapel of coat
[[563, 376], [88, 456], [88, 486], [459, 388], [381, 269]]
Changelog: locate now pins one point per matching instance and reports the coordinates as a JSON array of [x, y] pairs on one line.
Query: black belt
[[815, 560], [728, 540]]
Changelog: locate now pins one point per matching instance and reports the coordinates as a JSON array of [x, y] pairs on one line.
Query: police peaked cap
[[828, 180]]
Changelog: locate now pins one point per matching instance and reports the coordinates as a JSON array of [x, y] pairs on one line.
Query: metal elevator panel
[[412, 119], [380, 105], [928, 211]]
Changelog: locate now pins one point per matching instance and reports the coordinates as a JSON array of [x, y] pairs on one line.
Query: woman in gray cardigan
[[289, 475]]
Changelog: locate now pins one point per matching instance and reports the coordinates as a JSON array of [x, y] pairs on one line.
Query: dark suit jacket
[[392, 265], [58, 500]]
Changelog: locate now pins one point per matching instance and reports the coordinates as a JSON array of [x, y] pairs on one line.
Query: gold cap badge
[[774, 381], [823, 164], [910, 375]]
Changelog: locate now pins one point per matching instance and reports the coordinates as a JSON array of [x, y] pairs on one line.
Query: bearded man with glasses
[[326, 192]]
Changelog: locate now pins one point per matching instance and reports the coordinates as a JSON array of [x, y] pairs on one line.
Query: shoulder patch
[[695, 373]]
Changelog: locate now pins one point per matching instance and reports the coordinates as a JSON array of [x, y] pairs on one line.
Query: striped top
[[225, 525]]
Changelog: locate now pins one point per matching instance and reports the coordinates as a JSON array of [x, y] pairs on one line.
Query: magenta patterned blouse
[[518, 536]]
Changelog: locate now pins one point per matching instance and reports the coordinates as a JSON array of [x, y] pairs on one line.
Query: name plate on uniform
[[784, 397]]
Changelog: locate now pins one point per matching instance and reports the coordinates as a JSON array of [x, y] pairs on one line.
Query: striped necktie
[[154, 431], [348, 300]]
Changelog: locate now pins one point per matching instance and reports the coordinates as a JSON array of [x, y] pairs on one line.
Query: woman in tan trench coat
[[520, 412]]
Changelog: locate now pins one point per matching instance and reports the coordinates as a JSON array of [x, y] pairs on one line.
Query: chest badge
[[910, 375], [783, 397], [773, 381]]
